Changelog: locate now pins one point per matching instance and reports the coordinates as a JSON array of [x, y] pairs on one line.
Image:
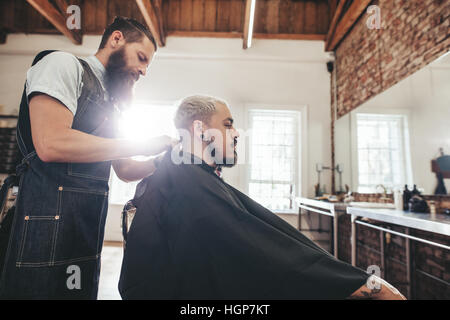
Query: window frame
[[405, 115], [302, 148]]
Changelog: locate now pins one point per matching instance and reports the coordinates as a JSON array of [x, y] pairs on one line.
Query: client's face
[[225, 145]]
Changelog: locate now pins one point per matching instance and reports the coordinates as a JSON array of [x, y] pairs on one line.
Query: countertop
[[421, 221], [321, 204]]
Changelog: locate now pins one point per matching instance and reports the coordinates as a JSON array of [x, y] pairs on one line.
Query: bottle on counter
[[398, 200], [415, 192], [406, 196], [432, 206]]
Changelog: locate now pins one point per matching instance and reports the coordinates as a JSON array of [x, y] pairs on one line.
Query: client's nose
[[236, 134]]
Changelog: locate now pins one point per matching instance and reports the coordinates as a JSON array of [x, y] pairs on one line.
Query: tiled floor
[[110, 272]]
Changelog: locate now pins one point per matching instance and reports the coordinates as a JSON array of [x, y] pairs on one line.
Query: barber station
[[224, 150]]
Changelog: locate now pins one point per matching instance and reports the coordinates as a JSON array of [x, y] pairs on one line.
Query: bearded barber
[[67, 134]]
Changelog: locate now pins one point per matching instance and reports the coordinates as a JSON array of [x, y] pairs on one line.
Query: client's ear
[[198, 129]]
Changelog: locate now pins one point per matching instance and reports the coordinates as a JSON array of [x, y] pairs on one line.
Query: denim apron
[[57, 232]]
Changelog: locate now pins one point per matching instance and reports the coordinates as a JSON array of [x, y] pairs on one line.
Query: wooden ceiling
[[326, 20]]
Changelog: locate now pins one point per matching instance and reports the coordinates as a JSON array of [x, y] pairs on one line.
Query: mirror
[[393, 138]]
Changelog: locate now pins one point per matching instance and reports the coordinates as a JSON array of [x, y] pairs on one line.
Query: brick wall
[[344, 237], [372, 197], [413, 34], [442, 202], [436, 262]]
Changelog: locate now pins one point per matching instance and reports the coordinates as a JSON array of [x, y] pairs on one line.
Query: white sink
[[374, 205]]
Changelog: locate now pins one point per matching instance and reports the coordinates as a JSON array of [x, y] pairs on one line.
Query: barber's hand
[[157, 160], [158, 145]]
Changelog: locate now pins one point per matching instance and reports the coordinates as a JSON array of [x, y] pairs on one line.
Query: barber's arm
[[55, 140], [129, 170]]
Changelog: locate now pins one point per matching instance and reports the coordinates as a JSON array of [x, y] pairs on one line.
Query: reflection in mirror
[[392, 139]]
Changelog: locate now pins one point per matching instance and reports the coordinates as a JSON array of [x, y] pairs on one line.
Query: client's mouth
[[134, 76]]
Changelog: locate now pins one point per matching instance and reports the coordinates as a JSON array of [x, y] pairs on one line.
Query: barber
[[67, 133]]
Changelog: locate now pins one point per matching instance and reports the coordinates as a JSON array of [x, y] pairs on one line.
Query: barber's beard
[[119, 80]]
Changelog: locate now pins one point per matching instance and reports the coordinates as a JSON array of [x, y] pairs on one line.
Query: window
[[141, 122], [274, 158], [383, 154]]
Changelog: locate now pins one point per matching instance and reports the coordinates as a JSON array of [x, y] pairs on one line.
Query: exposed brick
[[414, 33]]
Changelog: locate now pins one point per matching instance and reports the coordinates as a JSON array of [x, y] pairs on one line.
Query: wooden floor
[[110, 271]]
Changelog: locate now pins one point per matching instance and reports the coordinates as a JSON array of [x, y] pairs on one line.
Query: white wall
[[425, 98], [342, 152], [272, 72]]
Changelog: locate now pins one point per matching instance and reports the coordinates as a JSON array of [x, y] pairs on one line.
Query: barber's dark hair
[[132, 30]]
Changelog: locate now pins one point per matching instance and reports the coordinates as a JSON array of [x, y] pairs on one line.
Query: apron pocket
[[38, 239], [81, 224]]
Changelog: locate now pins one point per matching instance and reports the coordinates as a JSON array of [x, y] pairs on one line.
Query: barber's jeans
[[57, 234]]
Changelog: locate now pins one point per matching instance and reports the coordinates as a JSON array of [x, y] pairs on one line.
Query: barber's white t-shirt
[[59, 75]]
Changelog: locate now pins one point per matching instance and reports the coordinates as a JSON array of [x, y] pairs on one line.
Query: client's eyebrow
[[228, 119]]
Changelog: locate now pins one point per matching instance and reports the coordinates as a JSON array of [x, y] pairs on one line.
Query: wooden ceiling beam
[[249, 19], [159, 13], [58, 20], [152, 14], [61, 5], [346, 23], [337, 13]]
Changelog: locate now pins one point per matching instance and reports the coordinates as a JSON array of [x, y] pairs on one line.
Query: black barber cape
[[196, 237]]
